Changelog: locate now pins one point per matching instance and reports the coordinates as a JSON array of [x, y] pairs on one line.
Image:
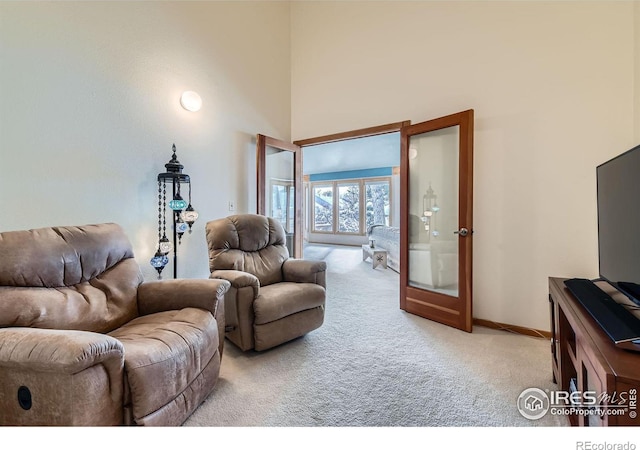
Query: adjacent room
[[423, 297]]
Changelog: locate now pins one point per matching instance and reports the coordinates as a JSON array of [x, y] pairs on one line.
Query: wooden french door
[[279, 181], [436, 219]]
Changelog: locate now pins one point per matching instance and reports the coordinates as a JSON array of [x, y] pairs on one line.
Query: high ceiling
[[370, 152]]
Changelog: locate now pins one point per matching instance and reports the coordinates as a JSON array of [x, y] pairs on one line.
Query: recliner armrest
[[167, 295], [60, 377], [238, 279], [305, 271], [66, 351], [238, 305]]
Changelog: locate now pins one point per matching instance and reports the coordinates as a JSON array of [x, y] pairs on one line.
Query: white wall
[[89, 109], [552, 86]]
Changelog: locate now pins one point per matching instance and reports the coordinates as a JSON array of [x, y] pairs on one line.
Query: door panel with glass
[[436, 219], [279, 181]]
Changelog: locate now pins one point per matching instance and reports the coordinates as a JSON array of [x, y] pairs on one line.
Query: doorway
[[351, 182], [436, 165]]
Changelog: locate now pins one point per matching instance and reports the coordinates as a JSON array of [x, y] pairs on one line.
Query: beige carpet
[[372, 364]]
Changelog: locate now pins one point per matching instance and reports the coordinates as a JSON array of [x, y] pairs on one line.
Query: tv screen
[[619, 222]]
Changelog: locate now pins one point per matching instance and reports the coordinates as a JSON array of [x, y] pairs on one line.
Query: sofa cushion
[[284, 299], [163, 353]]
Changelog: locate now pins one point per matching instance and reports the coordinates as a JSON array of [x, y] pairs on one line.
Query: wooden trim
[[279, 144], [261, 164], [363, 132], [454, 312], [404, 214], [512, 328], [297, 177], [465, 215]]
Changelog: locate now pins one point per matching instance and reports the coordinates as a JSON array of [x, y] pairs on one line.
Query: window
[[359, 204], [323, 208], [282, 204], [377, 202], [349, 208]]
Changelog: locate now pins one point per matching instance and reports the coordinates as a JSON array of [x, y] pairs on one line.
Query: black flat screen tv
[[619, 222]]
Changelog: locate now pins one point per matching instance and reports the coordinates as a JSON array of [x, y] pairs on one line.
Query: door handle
[[462, 232]]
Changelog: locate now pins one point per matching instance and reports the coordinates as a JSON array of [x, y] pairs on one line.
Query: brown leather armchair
[[83, 341], [273, 298]]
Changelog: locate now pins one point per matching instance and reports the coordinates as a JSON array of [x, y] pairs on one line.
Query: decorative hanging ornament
[[190, 215], [181, 227], [159, 261], [165, 245], [177, 204]]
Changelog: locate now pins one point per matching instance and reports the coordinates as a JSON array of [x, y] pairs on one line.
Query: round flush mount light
[[191, 101]]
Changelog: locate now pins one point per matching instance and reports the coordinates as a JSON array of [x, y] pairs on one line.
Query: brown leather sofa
[[84, 341], [273, 298]]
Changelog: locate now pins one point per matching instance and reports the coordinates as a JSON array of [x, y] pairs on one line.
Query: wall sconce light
[[191, 101], [183, 214], [413, 152]]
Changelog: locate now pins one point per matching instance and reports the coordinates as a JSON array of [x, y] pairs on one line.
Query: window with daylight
[[323, 208], [378, 202], [359, 204], [349, 208], [282, 204]]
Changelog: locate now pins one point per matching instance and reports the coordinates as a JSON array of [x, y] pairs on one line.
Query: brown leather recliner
[[83, 341], [273, 298]]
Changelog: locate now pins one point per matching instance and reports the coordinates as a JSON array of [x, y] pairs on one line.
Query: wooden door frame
[[354, 134], [261, 163], [442, 303]]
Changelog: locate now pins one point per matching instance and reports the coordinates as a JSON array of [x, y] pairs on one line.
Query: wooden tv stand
[[582, 351]]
